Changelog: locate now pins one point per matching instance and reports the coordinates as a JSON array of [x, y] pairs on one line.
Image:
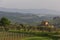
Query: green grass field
[[37, 38]]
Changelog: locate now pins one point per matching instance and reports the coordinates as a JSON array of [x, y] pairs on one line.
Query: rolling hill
[[30, 16]]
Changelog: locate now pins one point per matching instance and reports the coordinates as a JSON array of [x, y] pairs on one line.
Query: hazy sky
[[31, 4]]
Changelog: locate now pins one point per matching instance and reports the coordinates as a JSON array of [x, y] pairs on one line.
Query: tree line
[[5, 24]]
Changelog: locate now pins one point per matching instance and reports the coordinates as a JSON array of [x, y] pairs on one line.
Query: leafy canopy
[[4, 21]]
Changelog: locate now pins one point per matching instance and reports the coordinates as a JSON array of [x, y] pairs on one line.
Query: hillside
[[23, 18], [31, 16], [34, 11]]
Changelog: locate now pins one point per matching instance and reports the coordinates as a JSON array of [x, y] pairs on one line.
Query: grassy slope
[[37, 38]]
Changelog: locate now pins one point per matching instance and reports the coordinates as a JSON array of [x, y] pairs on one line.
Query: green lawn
[[37, 38]]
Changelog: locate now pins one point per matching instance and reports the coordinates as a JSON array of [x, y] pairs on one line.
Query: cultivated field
[[26, 36]]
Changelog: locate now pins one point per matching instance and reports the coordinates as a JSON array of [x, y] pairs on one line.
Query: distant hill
[[19, 17], [23, 18], [31, 16], [34, 11]]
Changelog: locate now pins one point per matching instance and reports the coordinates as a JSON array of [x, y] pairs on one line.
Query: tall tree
[[4, 22]]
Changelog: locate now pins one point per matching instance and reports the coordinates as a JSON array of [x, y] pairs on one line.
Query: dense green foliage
[[4, 21]]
